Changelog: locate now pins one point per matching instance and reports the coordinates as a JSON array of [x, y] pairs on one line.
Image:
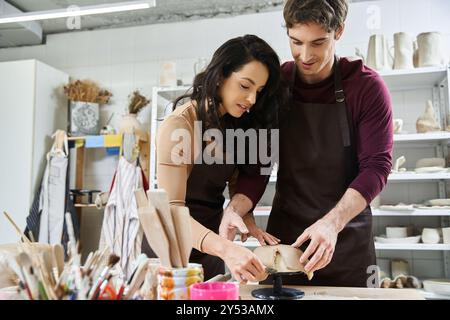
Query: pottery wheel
[[277, 292]]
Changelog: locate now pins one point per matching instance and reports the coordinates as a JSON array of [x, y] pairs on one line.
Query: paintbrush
[[76, 259], [72, 240], [24, 238], [93, 293], [98, 262], [24, 261]]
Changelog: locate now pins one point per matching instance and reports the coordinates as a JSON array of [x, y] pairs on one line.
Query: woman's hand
[[230, 224], [243, 264], [263, 237]]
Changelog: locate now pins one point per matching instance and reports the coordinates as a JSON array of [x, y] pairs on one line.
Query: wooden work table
[[341, 293]]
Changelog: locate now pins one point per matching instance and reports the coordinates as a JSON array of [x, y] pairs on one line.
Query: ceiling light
[[83, 11]]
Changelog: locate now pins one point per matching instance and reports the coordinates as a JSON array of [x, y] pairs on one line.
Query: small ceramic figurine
[[398, 164], [427, 122], [398, 125]]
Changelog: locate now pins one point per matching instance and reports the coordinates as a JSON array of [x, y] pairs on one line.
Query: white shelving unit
[[415, 246], [162, 101], [418, 176], [265, 212], [403, 84], [410, 90], [413, 79], [253, 243], [407, 176], [422, 137], [414, 213]]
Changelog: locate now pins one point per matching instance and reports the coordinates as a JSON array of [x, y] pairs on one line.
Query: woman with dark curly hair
[[239, 89]]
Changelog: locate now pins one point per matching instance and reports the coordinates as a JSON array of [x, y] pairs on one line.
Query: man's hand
[[254, 231], [323, 236], [231, 222], [323, 233]]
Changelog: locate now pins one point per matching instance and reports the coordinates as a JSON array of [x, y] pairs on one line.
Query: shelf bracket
[[439, 151], [437, 104], [445, 222], [441, 186], [446, 257]]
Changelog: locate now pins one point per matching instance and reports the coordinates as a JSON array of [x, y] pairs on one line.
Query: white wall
[[30, 112], [125, 59]]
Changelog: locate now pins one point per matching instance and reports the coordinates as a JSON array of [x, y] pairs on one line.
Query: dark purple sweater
[[369, 101]]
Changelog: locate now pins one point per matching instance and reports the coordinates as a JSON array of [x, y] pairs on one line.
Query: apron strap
[[344, 113], [340, 102], [345, 123]]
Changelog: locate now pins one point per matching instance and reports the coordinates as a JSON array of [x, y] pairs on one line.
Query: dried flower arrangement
[[86, 91], [137, 102]]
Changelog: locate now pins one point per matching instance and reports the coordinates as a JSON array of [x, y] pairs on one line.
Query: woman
[[238, 90]]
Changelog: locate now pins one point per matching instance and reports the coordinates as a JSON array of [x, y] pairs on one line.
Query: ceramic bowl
[[430, 235], [439, 202], [396, 232], [430, 162]]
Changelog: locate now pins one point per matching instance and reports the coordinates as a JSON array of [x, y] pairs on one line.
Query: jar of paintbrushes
[[174, 283]]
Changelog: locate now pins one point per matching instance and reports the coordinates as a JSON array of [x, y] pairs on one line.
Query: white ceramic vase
[[403, 51], [430, 49], [378, 56]]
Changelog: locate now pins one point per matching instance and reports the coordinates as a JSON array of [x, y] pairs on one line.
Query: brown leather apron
[[318, 162]]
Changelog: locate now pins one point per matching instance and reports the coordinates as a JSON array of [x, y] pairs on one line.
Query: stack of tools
[[168, 229]]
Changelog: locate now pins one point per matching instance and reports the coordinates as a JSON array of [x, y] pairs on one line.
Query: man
[[336, 142]]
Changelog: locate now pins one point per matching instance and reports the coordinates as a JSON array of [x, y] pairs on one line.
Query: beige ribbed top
[[175, 161]]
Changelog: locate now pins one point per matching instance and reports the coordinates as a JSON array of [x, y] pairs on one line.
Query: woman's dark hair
[[229, 58]]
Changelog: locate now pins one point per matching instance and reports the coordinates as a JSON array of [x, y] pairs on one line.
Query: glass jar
[[174, 283]]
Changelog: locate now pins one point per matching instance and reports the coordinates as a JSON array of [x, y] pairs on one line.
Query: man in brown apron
[[315, 170], [335, 147]]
